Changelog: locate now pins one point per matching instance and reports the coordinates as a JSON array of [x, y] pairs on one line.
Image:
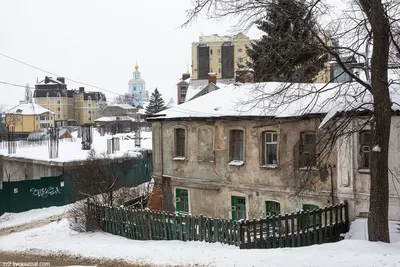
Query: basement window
[[272, 208], [181, 200]]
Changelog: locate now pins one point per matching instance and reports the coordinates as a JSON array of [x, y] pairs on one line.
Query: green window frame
[[310, 207], [272, 208], [238, 208], [181, 200]]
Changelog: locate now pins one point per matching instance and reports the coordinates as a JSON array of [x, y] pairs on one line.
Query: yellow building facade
[[219, 54], [28, 118], [71, 107]]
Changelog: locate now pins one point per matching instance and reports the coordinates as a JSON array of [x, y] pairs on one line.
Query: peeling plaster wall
[[354, 184], [211, 184]]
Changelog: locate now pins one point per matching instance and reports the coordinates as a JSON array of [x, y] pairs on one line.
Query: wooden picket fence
[[298, 229], [288, 230]]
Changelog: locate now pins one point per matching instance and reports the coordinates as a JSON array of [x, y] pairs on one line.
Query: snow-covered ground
[[71, 151], [359, 230], [56, 238], [15, 219]]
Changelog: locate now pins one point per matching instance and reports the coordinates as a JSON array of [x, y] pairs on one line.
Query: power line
[[17, 85], [52, 73]]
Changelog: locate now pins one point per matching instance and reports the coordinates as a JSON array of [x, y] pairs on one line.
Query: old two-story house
[[232, 154]]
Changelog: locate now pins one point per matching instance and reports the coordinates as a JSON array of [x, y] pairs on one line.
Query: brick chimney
[[61, 79], [81, 89], [212, 78], [185, 76], [245, 75]]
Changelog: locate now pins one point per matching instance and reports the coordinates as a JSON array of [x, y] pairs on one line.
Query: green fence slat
[[292, 235]]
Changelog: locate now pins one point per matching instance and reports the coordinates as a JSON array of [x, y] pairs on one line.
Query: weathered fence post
[[346, 215]]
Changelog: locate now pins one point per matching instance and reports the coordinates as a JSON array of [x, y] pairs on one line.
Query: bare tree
[[28, 94], [100, 177], [97, 181], [364, 23], [124, 99]]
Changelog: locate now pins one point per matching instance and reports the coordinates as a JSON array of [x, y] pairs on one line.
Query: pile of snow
[[15, 219], [57, 238]]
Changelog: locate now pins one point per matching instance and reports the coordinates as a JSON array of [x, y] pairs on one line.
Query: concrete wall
[[15, 169], [211, 181], [354, 182]]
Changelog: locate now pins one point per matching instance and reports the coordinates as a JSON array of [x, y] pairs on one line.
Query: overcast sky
[[98, 42]]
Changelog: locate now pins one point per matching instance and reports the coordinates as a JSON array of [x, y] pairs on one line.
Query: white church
[[137, 88]]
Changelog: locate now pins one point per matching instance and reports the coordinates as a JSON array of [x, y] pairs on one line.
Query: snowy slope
[[58, 238], [14, 219]]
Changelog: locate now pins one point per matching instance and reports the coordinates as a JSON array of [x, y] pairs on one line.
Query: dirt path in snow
[[59, 261], [29, 225]]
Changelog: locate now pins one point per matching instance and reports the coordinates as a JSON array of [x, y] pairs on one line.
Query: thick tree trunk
[[379, 196]]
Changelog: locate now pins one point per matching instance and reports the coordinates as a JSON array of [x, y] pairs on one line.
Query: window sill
[[366, 171], [206, 161], [179, 158], [309, 169], [236, 163], [269, 166]]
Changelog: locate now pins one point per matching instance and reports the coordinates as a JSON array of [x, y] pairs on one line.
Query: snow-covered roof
[[123, 106], [28, 109], [186, 80], [195, 86], [115, 118], [141, 111], [265, 99]]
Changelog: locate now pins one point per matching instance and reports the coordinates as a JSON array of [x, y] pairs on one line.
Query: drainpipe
[[331, 173]]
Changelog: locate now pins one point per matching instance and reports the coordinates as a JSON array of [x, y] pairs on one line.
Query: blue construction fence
[[25, 195]]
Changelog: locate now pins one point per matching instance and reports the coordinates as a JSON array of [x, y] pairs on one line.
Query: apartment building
[[218, 54], [71, 107]]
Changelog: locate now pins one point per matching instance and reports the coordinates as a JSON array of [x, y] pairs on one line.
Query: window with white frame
[[269, 154]]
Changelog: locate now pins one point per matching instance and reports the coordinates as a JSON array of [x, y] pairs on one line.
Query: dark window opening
[[236, 145], [179, 142], [308, 150]]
